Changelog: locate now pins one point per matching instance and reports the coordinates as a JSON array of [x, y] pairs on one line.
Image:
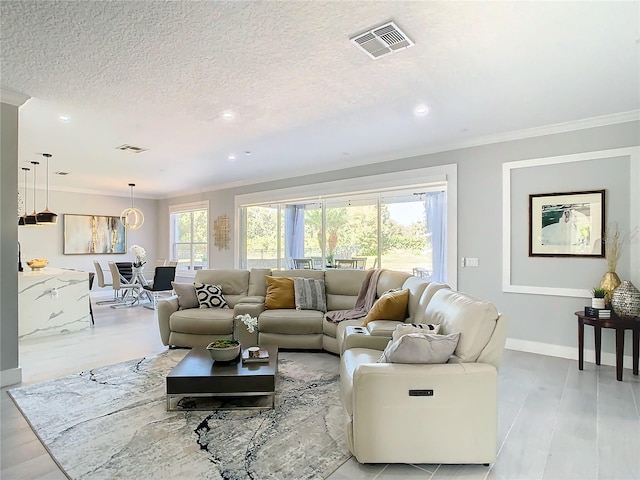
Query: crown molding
[[13, 98]]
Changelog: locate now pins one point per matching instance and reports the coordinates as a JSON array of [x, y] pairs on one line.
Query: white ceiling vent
[[131, 148], [382, 40]]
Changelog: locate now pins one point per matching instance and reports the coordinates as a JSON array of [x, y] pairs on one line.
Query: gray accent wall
[[543, 319], [8, 241]]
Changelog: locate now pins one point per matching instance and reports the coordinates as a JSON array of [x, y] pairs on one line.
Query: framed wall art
[[92, 234], [568, 224]]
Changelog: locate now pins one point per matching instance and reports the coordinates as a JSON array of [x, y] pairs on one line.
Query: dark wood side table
[[620, 325]]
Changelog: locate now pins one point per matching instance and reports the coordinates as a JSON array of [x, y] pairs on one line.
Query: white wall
[[48, 241], [546, 323]]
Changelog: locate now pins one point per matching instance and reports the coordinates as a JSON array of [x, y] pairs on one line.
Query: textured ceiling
[[158, 75]]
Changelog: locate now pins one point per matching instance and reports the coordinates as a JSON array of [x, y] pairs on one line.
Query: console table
[[619, 325]]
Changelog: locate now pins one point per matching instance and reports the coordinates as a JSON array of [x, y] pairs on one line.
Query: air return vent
[[382, 40], [131, 148]]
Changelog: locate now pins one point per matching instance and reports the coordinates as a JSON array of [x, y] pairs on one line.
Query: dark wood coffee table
[[197, 375]]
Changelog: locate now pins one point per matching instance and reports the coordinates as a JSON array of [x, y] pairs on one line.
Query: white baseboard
[[565, 352], [10, 377]]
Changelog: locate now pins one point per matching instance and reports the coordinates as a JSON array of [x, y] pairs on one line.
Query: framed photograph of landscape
[[93, 234], [568, 224]]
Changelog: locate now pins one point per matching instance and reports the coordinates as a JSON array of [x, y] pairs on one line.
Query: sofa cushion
[[206, 321], [309, 294], [280, 293], [210, 296], [342, 287], [420, 348], [419, 315], [391, 306], [416, 287], [290, 321], [457, 312], [390, 279], [407, 328], [257, 284], [187, 297], [233, 282]]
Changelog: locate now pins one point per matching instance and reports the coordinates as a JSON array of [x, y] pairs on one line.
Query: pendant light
[[22, 220], [132, 217], [33, 218], [47, 217]]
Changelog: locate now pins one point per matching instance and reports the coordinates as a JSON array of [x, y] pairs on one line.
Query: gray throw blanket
[[364, 302]]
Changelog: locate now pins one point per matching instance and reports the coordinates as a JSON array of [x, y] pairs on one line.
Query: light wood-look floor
[[555, 422]]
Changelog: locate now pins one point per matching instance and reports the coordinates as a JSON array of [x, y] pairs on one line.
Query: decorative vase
[[610, 281], [597, 303], [626, 300]]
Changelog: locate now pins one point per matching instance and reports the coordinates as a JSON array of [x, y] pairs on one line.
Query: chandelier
[[132, 217]]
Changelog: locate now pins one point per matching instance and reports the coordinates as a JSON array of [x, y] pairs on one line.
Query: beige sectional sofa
[[245, 292], [395, 412]]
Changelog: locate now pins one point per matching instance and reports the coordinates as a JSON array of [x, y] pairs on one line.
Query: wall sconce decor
[[221, 232]]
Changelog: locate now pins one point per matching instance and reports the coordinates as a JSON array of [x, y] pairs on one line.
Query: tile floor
[[555, 422]]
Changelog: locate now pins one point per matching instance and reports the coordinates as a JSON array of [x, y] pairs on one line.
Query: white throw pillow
[[406, 328], [210, 296], [420, 348]]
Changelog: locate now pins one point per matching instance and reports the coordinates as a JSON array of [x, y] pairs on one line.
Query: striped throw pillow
[[310, 294]]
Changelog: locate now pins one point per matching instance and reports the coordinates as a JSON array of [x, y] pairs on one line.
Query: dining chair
[[126, 270], [121, 283], [303, 263], [161, 262], [91, 277], [162, 279], [360, 262], [102, 283], [344, 263], [172, 263]]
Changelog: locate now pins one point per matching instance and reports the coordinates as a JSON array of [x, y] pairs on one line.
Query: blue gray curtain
[[435, 207], [293, 233]]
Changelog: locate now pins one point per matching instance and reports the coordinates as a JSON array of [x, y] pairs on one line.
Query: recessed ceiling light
[[421, 110], [231, 157], [64, 118], [228, 115]]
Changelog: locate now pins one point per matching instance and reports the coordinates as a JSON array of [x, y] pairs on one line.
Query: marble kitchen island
[[52, 301]]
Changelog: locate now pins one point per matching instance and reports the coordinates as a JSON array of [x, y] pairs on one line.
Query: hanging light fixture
[[132, 217], [47, 217], [33, 218], [22, 219]]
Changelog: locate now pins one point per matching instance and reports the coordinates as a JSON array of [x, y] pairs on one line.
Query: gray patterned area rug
[[112, 422]]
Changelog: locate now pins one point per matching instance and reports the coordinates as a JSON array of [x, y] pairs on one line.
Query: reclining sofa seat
[[429, 413], [195, 327]]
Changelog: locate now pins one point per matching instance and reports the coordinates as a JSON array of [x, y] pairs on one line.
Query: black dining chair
[[162, 278], [126, 270], [91, 277]]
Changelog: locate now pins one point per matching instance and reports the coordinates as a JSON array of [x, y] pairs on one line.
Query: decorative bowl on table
[[224, 350], [37, 263]]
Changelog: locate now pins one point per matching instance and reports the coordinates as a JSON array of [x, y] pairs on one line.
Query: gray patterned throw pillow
[[309, 294], [210, 296]]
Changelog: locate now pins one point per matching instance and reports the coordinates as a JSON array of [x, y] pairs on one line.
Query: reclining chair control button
[[421, 393]]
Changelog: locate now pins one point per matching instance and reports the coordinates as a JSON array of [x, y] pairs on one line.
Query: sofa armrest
[[365, 341], [445, 413], [166, 307]]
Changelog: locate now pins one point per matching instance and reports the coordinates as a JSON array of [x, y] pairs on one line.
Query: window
[[397, 230], [405, 220], [189, 236]]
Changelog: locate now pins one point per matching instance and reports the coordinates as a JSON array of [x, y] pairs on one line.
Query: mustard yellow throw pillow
[[390, 306], [280, 293]]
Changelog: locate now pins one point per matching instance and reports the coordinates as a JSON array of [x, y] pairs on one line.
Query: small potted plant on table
[[598, 299]]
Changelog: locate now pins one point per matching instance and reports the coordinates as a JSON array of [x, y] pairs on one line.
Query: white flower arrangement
[[140, 254], [250, 322]]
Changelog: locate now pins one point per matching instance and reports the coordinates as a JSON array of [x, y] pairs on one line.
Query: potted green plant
[[598, 299], [224, 350]]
